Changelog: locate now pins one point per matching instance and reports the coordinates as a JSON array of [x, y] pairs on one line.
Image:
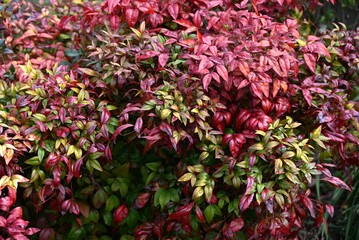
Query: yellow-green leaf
[[165, 113], [89, 72], [198, 192], [288, 154], [186, 177]]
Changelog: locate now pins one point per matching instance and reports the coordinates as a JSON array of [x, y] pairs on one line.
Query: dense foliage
[[206, 119]]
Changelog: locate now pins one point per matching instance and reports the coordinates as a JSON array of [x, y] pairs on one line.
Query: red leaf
[[131, 16], [141, 200], [120, 213], [200, 215], [182, 211], [138, 125], [184, 23], [112, 4], [222, 71], [307, 202], [337, 182], [320, 215], [310, 61], [162, 59], [173, 10], [236, 225]]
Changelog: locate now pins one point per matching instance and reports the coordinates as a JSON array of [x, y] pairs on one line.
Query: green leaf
[[164, 198], [40, 117], [209, 213], [115, 186], [76, 233], [123, 189], [108, 218], [111, 203], [95, 164], [34, 161], [154, 166], [72, 53], [174, 195]]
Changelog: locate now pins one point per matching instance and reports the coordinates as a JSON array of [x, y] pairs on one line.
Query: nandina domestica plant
[[172, 119]]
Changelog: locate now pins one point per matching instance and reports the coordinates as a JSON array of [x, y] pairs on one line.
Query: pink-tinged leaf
[[112, 4], [276, 87], [47, 233], [120, 129], [265, 88], [162, 59], [138, 125], [120, 213], [250, 182], [141, 200], [184, 23], [236, 224], [131, 16], [32, 231], [335, 137], [246, 200], [115, 22], [310, 61], [243, 67], [147, 55], [280, 2], [203, 64], [105, 116], [156, 19], [319, 48], [222, 71], [337, 182], [15, 213], [307, 96], [307, 202], [200, 215], [216, 77], [241, 83], [206, 81], [2, 221], [173, 10], [62, 114], [45, 35], [28, 33], [284, 67], [256, 90], [330, 209], [234, 147]]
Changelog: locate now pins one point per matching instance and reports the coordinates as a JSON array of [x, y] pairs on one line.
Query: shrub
[[172, 119]]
